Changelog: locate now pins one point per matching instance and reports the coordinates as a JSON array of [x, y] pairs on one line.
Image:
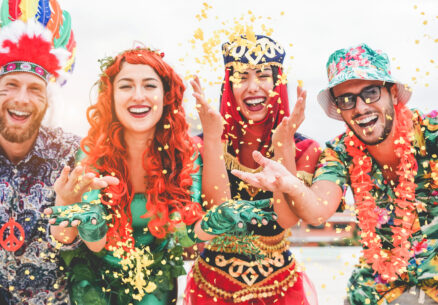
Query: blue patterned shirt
[[33, 274]]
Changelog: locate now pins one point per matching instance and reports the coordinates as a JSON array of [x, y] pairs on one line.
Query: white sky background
[[314, 28]]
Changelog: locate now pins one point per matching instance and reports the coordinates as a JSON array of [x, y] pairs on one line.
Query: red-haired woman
[[139, 221], [254, 103]]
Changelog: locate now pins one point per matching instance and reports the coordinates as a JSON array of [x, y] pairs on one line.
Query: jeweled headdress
[[252, 52]]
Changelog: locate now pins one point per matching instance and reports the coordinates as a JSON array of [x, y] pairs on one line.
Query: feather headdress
[[36, 37]]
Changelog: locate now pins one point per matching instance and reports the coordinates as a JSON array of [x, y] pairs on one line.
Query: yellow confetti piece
[[199, 34]]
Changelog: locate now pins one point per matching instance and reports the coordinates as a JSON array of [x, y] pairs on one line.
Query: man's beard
[[20, 135], [389, 112]]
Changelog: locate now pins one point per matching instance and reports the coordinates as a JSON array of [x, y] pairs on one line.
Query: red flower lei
[[388, 265]]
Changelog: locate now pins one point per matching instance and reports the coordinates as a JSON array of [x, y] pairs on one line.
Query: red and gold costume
[[223, 274]]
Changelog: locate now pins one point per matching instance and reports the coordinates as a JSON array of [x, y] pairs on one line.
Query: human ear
[[393, 91]]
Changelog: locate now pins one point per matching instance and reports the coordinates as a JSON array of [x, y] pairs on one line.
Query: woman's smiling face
[[138, 98], [252, 92]]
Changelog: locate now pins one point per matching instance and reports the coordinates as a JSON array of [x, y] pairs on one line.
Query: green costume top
[[422, 271], [98, 278]]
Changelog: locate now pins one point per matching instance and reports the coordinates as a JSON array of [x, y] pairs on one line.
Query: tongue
[[370, 123], [18, 117], [255, 107]]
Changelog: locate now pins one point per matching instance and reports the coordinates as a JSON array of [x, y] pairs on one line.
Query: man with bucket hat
[[388, 156]]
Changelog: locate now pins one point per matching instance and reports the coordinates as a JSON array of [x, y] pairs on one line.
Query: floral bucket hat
[[360, 62]]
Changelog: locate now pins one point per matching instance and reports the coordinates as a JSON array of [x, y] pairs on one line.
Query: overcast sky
[[309, 31]]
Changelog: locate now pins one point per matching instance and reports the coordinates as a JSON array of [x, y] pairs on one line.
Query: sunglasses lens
[[371, 94], [345, 102]]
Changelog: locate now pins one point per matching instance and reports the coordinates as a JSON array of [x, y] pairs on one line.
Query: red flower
[[387, 265], [418, 247]]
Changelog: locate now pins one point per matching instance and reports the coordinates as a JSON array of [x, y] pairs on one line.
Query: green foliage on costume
[[84, 212], [233, 217], [84, 293], [97, 278]]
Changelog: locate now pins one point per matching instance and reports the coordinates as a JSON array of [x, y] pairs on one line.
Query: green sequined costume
[[95, 277]]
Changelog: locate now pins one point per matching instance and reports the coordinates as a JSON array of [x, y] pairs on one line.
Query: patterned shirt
[[365, 286], [32, 274]]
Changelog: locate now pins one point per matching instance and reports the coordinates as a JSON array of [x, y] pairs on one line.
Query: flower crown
[[108, 61]]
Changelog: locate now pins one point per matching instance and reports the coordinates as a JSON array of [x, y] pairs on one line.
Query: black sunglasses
[[369, 95]]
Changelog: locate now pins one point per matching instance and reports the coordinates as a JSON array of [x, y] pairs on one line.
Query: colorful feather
[[49, 54], [64, 31], [71, 43], [14, 9], [4, 13], [71, 61], [55, 19], [44, 12], [29, 9]]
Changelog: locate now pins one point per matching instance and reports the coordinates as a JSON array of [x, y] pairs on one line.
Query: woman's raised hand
[[284, 133], [274, 177], [72, 184]]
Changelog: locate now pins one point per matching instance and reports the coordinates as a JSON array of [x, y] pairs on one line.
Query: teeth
[[255, 101], [19, 113], [366, 119], [139, 109]]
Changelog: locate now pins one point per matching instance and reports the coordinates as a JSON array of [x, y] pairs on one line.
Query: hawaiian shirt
[[365, 286], [32, 274]]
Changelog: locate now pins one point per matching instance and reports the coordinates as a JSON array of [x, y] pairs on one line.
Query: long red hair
[[168, 169]]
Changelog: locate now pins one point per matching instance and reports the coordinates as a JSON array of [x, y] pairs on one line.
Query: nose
[[361, 106], [138, 94], [22, 95], [253, 84]]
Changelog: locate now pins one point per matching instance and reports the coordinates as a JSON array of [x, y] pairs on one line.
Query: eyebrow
[[32, 84], [144, 79], [257, 71]]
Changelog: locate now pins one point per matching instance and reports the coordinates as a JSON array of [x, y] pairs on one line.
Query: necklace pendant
[[10, 242]]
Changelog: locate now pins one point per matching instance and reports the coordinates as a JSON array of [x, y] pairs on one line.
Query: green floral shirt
[[365, 286]]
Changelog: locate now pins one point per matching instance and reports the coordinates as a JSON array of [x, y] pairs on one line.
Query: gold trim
[[247, 270], [305, 177], [231, 163], [265, 248], [247, 292], [239, 65], [267, 244]]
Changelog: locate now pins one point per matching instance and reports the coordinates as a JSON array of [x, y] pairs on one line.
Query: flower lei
[[394, 263]]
